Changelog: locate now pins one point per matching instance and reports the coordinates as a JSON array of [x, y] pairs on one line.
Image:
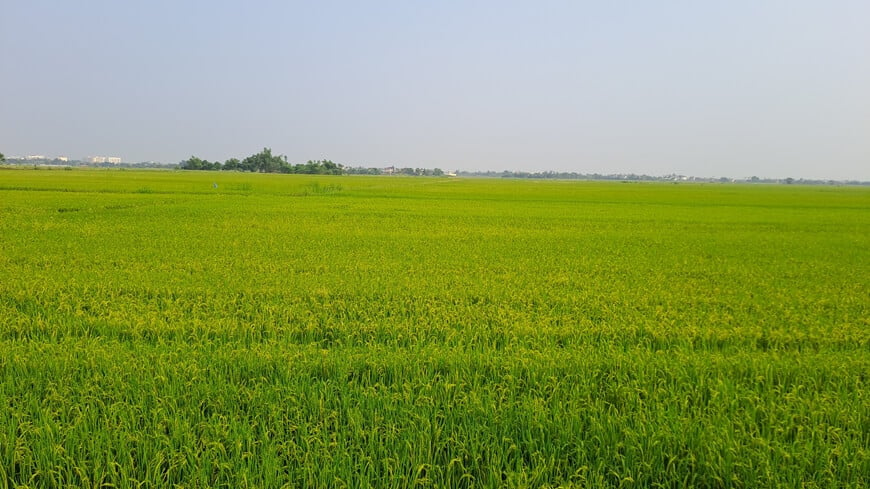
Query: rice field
[[191, 330]]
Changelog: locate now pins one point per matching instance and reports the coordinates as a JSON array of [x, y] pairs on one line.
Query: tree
[[264, 162], [2, 158], [330, 167], [194, 163], [232, 164]]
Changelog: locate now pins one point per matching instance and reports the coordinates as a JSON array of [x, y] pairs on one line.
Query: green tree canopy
[[264, 162]]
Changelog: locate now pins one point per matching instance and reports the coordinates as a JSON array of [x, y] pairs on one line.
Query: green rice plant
[[430, 332]]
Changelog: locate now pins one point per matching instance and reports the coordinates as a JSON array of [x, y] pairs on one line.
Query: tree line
[[264, 162]]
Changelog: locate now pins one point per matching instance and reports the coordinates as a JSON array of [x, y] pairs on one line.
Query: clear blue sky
[[737, 88]]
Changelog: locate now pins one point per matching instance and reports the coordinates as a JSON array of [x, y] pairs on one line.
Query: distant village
[[118, 162], [63, 160]]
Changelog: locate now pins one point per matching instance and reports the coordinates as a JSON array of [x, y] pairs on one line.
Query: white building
[[103, 159]]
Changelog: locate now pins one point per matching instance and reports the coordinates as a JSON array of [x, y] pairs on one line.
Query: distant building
[[34, 157], [103, 159], [62, 158]]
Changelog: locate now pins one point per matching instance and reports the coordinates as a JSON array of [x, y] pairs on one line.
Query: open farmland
[[156, 331]]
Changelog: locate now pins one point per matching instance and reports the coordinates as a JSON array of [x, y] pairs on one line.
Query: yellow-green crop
[[172, 329]]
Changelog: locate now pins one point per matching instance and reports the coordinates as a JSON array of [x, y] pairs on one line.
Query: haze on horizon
[[764, 88]]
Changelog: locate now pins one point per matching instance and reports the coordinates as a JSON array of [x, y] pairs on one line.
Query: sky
[[763, 88]]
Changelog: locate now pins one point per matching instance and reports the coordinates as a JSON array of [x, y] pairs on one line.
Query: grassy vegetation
[[157, 330]]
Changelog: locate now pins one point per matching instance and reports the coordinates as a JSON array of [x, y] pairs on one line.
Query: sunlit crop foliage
[[163, 329]]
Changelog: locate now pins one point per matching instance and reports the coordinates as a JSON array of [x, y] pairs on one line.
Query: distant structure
[[103, 159], [34, 157]]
